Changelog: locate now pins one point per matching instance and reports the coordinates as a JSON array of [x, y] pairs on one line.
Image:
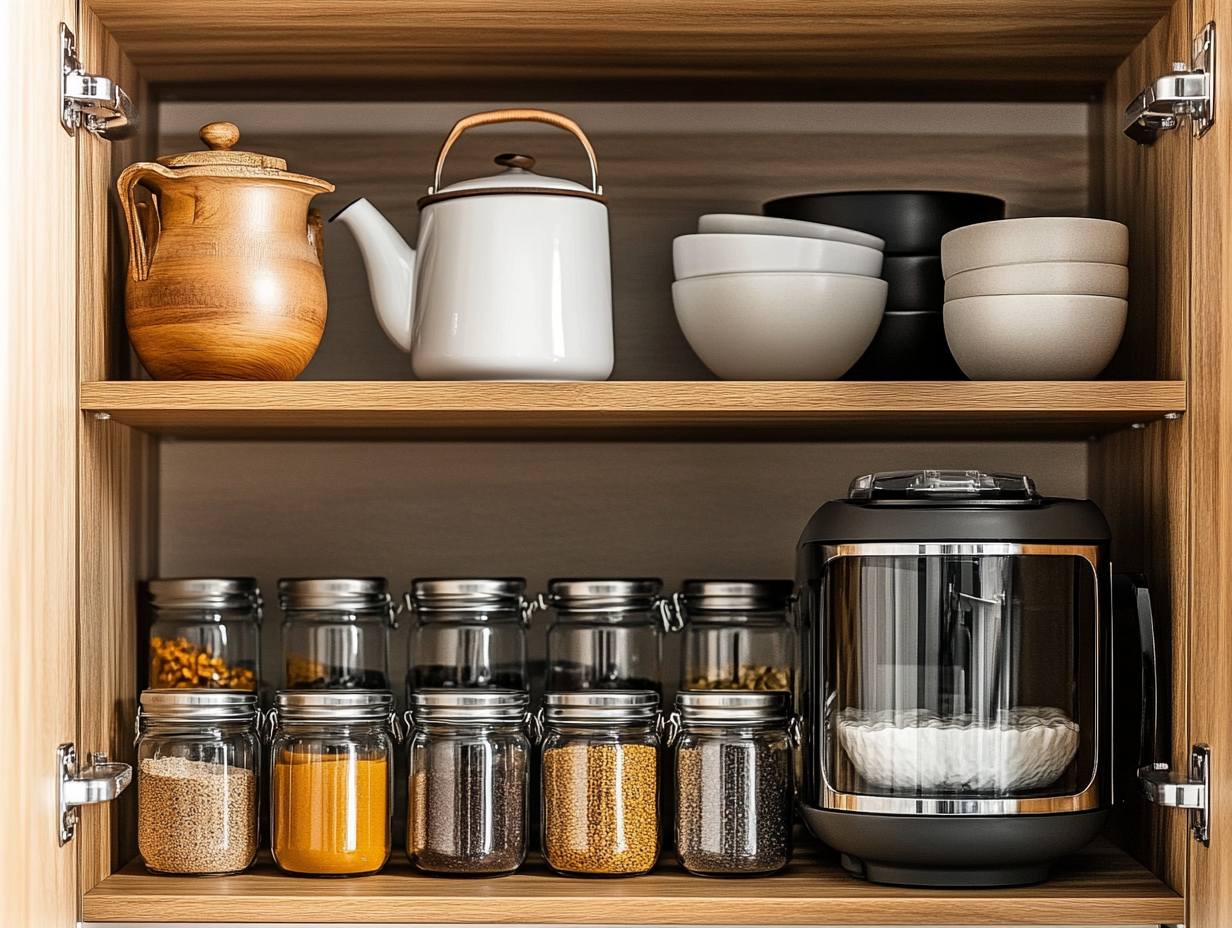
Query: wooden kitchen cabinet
[[104, 472]]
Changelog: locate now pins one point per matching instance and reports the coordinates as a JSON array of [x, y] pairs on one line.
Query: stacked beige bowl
[[1035, 299], [762, 298]]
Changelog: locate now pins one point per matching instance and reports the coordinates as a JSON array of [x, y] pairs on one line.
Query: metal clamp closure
[[91, 101], [102, 781], [1185, 92], [1193, 792]]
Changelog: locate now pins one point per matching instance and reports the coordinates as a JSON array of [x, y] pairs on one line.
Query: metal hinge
[[90, 101], [1187, 91], [102, 781], [1192, 792]]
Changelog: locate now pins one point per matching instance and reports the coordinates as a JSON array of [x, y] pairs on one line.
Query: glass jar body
[[467, 796], [738, 650], [468, 650], [205, 648], [600, 796], [734, 799], [331, 798], [605, 650], [335, 649], [197, 797]]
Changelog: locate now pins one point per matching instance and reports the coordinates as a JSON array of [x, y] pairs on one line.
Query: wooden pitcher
[[225, 277]]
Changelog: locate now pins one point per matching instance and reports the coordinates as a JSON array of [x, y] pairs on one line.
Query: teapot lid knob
[[220, 136], [525, 162]]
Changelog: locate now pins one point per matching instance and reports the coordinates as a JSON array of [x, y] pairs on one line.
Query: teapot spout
[[390, 263]]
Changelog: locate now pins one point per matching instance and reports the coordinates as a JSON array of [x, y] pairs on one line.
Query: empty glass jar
[[601, 782], [206, 633], [738, 635], [469, 769], [331, 793], [335, 633], [734, 792], [607, 635], [198, 762], [468, 633]]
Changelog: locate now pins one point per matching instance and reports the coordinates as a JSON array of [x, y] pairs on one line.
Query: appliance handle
[[1131, 592]]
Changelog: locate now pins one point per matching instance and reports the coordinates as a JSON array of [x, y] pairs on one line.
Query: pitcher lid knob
[[220, 136]]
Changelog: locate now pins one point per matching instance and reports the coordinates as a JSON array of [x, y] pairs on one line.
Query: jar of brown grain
[[601, 782]]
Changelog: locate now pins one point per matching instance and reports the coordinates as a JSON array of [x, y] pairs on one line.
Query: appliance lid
[[736, 595], [943, 485]]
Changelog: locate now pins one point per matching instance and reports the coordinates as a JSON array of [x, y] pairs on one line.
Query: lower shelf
[[1100, 886]]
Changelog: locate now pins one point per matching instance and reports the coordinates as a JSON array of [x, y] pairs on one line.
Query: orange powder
[[330, 812]]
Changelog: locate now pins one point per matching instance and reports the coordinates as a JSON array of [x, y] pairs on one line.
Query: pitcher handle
[[517, 115], [133, 175]]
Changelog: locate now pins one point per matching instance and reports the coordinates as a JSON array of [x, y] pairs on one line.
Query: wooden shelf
[[961, 41], [633, 409], [1102, 885]]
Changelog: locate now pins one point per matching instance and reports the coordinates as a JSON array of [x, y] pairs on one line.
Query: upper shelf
[[633, 409], [731, 41]]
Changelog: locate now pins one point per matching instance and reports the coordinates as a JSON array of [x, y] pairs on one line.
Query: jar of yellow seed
[[601, 782], [206, 633]]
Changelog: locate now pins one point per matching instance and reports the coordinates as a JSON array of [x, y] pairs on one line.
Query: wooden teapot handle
[[141, 251], [517, 115]]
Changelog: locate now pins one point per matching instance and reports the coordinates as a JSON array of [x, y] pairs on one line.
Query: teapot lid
[[220, 137], [518, 173]]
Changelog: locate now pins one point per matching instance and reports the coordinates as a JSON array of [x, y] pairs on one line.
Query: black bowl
[[916, 283], [908, 346], [912, 222]]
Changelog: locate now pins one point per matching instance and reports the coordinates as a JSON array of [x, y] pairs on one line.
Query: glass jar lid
[[637, 595], [205, 593], [457, 705], [465, 594], [728, 708], [333, 705], [601, 706], [736, 595], [197, 705], [335, 594]]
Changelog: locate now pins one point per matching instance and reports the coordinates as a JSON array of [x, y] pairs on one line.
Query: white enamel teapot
[[511, 278]]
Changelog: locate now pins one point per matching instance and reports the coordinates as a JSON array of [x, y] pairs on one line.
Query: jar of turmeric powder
[[205, 634], [331, 790]]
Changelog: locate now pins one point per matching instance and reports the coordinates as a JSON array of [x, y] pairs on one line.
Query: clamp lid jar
[[198, 762], [205, 633], [335, 632], [738, 634], [468, 633]]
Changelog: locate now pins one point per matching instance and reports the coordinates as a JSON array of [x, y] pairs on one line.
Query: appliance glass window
[[960, 676]]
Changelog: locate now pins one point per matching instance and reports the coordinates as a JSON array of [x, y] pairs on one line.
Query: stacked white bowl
[[1035, 299], [760, 298]]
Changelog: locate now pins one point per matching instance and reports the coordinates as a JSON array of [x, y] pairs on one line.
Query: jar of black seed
[[733, 759], [467, 795]]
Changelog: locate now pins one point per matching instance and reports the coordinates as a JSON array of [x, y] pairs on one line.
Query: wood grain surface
[[485, 40], [1100, 886]]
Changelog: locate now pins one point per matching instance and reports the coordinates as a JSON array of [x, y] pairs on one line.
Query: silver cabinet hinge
[[1193, 792], [102, 781], [90, 101], [1187, 91]]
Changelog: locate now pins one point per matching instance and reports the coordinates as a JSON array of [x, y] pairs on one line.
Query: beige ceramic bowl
[[1029, 241], [699, 255], [1047, 277], [1034, 336], [745, 224], [779, 326]]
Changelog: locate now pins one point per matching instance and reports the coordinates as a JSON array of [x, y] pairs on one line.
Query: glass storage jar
[[469, 769], [205, 633], [607, 635], [600, 814], [198, 762], [335, 633], [738, 635], [468, 633], [734, 791], [331, 793]]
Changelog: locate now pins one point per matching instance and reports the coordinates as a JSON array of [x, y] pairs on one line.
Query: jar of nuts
[[206, 633], [335, 632], [601, 782], [738, 635]]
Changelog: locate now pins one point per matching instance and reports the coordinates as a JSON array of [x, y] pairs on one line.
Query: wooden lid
[[220, 137]]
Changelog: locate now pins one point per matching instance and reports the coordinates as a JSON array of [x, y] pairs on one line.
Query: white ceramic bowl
[[744, 224], [779, 326], [700, 255], [1028, 241], [1034, 336], [1047, 277]]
